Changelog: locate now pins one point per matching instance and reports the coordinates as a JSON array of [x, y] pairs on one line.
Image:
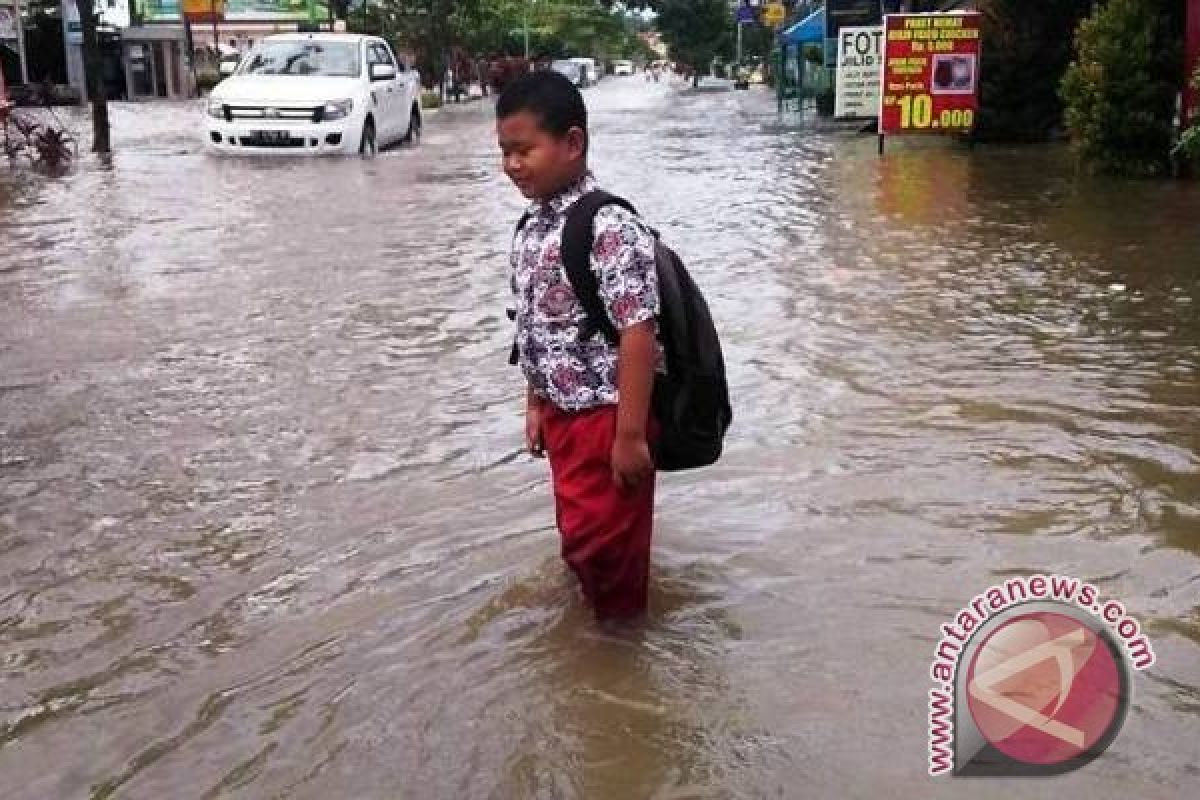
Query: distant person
[[587, 401], [494, 74], [481, 75]]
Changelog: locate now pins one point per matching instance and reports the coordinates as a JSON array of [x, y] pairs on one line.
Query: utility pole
[[93, 76], [526, 7], [21, 42]]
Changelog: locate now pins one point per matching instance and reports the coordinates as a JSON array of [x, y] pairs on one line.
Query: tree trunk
[[94, 77]]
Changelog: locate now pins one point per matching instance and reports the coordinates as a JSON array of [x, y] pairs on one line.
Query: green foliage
[[1188, 148], [443, 31], [431, 99], [430, 29], [207, 78], [757, 41], [45, 141], [1026, 50], [1120, 92], [695, 31]]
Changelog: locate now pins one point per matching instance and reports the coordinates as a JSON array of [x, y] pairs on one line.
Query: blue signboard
[[745, 13]]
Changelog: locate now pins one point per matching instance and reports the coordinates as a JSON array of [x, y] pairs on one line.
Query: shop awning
[[810, 30]]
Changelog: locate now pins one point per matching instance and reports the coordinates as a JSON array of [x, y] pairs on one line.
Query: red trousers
[[605, 531]]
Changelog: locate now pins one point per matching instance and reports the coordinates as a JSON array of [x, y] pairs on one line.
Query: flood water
[[267, 530]]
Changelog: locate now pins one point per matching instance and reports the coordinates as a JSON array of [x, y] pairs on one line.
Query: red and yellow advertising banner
[[930, 73], [203, 10]]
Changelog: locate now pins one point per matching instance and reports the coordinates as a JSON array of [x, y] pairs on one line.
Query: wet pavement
[[266, 529]]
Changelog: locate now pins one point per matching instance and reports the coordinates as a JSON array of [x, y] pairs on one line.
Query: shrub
[[431, 100], [44, 142], [206, 79], [1026, 49], [1187, 150], [1120, 91]]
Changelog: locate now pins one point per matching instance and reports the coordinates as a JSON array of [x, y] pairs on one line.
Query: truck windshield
[[335, 59]]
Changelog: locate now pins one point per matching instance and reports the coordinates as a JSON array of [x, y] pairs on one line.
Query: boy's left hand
[[631, 462]]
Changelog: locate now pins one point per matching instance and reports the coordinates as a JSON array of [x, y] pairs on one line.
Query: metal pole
[[780, 77], [21, 42], [739, 44], [189, 44], [527, 30]]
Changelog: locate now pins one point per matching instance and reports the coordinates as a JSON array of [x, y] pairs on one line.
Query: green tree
[[757, 41], [1026, 50], [435, 28], [695, 31], [1120, 91], [430, 28]]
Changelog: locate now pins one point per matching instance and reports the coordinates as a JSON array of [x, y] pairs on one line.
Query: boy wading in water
[[588, 400]]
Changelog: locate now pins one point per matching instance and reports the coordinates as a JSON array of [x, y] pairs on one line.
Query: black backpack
[[690, 402]]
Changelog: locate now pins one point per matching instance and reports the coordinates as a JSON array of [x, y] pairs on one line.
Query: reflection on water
[[267, 530]]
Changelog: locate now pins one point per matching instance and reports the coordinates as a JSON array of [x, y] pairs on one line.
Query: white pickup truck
[[315, 94]]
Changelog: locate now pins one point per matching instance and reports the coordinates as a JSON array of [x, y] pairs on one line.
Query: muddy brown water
[[266, 529]]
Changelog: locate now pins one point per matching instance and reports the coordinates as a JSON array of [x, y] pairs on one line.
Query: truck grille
[[307, 113]]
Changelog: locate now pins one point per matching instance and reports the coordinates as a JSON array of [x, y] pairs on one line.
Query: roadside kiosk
[[800, 64]]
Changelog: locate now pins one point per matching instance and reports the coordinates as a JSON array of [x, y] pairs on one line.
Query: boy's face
[[538, 162]]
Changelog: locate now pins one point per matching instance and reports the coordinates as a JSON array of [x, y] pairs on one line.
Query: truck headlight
[[338, 109], [215, 108]]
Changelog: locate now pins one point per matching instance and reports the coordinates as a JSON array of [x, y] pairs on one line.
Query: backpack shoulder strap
[[577, 240]]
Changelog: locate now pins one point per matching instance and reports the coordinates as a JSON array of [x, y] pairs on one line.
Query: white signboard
[[859, 72], [8, 21], [112, 12]]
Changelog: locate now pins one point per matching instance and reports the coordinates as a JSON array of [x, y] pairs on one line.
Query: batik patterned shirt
[[573, 374]]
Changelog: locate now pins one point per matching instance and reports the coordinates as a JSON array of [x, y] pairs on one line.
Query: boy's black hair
[[548, 95]]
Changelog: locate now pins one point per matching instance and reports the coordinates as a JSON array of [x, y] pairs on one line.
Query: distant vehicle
[[622, 68], [576, 73], [592, 72], [741, 78], [315, 94]]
